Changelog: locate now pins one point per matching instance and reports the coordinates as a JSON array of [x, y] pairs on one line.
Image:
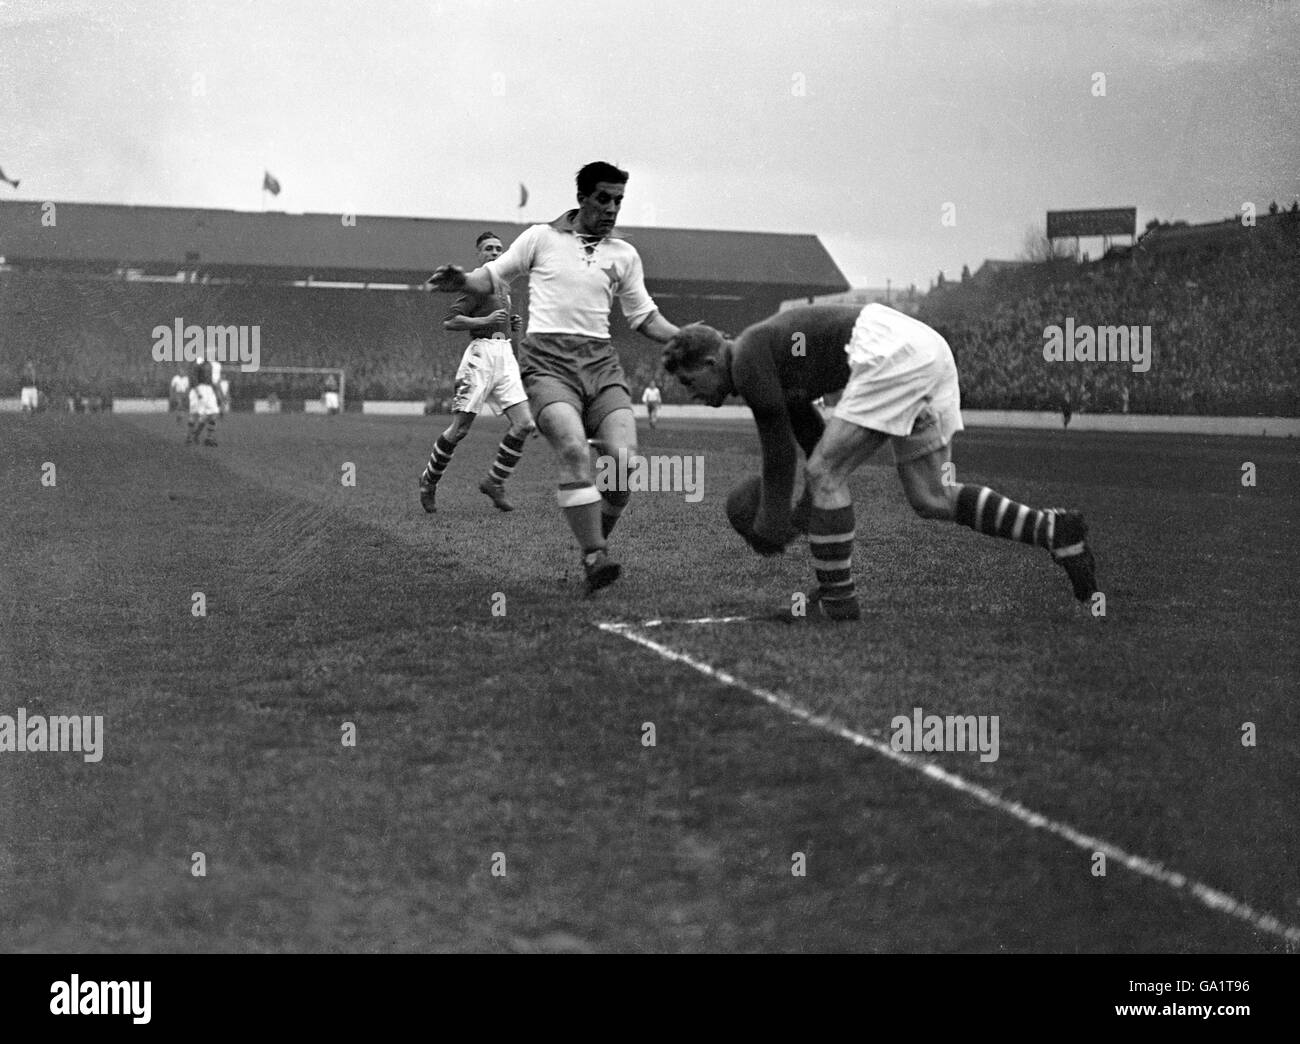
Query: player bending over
[[488, 373], [899, 384]]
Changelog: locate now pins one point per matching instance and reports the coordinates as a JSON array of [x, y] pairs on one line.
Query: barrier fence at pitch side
[[1273, 427]]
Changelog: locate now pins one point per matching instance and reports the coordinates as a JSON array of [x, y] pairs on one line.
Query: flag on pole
[[523, 195], [14, 183], [269, 184]]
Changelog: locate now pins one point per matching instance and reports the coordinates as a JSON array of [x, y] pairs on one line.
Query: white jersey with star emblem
[[573, 282]]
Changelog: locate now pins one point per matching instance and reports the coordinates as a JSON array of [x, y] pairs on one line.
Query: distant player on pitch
[[30, 396], [329, 399], [899, 384], [180, 395], [204, 409], [576, 267], [488, 375], [652, 398]]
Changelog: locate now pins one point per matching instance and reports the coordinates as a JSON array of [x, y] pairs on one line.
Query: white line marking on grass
[[697, 620], [1210, 897]]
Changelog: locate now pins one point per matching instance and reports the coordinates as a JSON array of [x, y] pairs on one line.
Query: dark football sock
[[613, 501], [987, 511], [438, 460], [508, 454], [830, 535]]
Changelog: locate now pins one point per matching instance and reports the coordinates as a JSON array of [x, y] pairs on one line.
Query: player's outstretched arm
[[452, 279], [773, 525], [755, 379]]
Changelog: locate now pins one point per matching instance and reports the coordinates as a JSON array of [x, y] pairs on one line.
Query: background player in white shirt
[[180, 395], [204, 409], [30, 396], [220, 387], [575, 384], [488, 375], [330, 397], [652, 399]]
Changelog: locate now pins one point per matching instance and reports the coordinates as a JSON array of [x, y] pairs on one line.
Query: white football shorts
[[203, 401], [488, 375], [902, 381], [30, 398]]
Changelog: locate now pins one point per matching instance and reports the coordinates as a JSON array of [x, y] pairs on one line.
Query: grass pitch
[[515, 742]]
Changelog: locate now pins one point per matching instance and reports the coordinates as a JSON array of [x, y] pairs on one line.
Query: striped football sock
[[581, 504], [613, 501], [508, 454], [438, 460], [986, 511], [830, 535]]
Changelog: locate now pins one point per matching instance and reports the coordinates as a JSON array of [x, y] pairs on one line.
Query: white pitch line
[[697, 620], [1210, 897]]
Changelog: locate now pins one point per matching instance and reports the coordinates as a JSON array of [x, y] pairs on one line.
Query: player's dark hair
[[594, 173], [485, 235], [692, 345]]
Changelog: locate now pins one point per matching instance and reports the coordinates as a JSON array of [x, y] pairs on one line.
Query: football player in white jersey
[[204, 409], [575, 383], [30, 396], [653, 399], [180, 389]]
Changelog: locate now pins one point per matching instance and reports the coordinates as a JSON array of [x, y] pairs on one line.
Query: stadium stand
[[1222, 301], [81, 297]]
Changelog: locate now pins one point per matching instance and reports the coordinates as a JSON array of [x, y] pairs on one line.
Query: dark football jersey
[[475, 306]]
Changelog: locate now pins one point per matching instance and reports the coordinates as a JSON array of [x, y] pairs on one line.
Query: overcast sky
[[856, 121]]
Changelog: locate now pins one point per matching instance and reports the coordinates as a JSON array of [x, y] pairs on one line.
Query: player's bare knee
[[524, 430], [574, 453], [823, 477]]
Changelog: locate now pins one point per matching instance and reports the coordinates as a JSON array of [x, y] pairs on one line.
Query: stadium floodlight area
[[305, 384]]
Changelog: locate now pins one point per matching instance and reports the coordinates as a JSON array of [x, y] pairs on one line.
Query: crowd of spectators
[[1224, 319]]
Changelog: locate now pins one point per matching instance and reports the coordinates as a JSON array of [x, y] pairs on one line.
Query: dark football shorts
[[582, 371]]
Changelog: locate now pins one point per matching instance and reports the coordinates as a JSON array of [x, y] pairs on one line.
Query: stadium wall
[[1268, 427]]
